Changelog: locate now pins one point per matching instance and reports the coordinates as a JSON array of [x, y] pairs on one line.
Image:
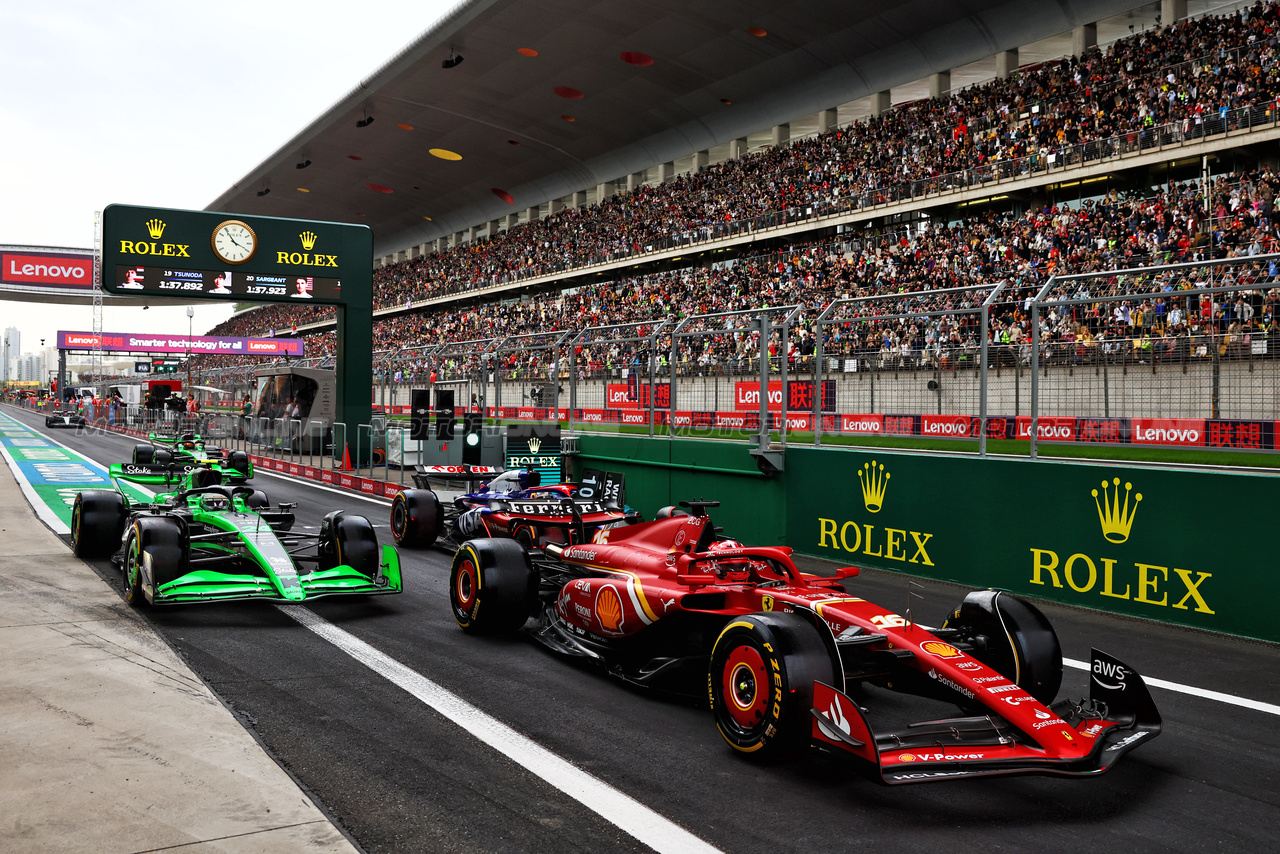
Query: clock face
[[234, 242]]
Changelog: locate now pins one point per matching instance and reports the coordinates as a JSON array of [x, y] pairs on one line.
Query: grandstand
[[1154, 149]]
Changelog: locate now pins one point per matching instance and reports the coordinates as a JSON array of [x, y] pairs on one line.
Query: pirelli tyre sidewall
[[493, 586], [417, 518], [760, 682], [162, 541]]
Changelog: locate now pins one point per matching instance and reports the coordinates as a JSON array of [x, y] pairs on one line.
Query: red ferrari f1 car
[[781, 653]]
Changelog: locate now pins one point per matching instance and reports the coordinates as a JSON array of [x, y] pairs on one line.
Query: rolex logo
[[1116, 517], [875, 480], [308, 240], [155, 227], [535, 444]]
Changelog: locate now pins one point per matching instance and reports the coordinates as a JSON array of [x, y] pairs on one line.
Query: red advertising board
[[60, 270], [1167, 431], [1050, 429], [618, 396], [946, 426], [861, 423]]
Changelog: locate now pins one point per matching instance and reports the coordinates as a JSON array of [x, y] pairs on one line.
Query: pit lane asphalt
[[400, 777]]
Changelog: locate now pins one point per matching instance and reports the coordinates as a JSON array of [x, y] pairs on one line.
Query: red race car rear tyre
[[760, 682], [493, 587]]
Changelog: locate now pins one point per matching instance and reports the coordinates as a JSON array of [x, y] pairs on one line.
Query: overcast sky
[[166, 105]]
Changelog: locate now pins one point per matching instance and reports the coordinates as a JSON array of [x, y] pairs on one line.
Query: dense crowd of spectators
[[1135, 88]]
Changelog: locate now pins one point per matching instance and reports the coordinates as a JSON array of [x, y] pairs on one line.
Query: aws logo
[[1146, 582], [306, 258], [155, 230]]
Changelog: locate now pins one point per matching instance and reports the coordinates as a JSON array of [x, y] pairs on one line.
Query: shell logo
[[940, 649], [609, 609], [907, 757]]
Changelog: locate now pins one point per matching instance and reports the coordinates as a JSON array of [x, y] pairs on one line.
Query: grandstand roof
[[503, 112]]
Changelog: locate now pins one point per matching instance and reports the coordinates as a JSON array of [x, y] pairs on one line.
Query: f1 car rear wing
[[166, 474], [1118, 716], [469, 473]]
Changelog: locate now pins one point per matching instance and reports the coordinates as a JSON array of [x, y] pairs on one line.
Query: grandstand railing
[[1174, 355]]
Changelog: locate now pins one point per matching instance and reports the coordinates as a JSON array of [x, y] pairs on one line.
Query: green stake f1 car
[[199, 540]]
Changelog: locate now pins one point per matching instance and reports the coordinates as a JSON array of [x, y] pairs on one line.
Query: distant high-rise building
[[12, 347]]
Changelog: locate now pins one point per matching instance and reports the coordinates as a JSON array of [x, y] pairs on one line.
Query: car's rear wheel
[[159, 541], [1012, 637], [349, 541], [143, 454], [761, 677], [98, 518], [239, 461], [493, 587], [416, 518]]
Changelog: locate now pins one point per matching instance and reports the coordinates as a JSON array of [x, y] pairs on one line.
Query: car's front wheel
[[761, 677], [350, 541], [493, 587], [158, 541]]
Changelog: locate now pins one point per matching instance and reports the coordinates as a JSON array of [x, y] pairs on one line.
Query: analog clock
[[234, 241]]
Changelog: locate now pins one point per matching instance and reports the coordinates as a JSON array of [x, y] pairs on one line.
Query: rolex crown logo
[[308, 240], [875, 480], [1116, 517], [535, 444], [155, 227]]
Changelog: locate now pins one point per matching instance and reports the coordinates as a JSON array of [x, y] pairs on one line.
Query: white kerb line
[[630, 815], [1229, 699]]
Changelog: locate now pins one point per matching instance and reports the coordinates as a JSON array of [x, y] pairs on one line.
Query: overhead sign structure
[[208, 255], [142, 367], [130, 342]]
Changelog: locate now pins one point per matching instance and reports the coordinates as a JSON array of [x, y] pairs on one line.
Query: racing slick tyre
[[1012, 637], [755, 713], [239, 461], [350, 541], [159, 541], [525, 536], [98, 518], [162, 456], [143, 455], [257, 500], [493, 587], [416, 518]]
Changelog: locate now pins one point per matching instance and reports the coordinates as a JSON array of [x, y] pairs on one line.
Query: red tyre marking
[[466, 586], [745, 686]]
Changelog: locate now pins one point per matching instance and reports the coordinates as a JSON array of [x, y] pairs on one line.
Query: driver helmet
[[722, 545], [215, 503]]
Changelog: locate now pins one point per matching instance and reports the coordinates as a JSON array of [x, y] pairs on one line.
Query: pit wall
[[1178, 546]]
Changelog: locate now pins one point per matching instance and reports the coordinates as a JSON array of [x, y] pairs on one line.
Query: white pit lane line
[[630, 815], [1229, 699]]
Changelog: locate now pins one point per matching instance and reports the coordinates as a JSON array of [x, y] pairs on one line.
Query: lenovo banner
[[65, 271], [746, 396], [160, 343]]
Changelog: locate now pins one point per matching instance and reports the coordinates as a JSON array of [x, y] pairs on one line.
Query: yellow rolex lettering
[[1108, 565], [1148, 581], [891, 543], [1093, 572], [867, 550], [857, 537], [1038, 564], [126, 246], [920, 548], [331, 262], [282, 257], [182, 251], [827, 528], [168, 249], [1193, 590]]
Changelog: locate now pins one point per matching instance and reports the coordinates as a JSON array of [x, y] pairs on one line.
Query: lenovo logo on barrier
[[1061, 429], [861, 423], [1168, 431], [944, 425]]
